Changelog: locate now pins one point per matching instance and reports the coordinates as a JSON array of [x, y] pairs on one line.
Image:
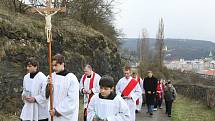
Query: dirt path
[[158, 115]]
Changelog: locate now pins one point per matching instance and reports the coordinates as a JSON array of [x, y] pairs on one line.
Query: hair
[[127, 68], [106, 81], [32, 61], [149, 71], [169, 82], [87, 67], [59, 58]]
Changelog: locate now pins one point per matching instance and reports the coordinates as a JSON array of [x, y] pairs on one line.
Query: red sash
[[138, 79], [91, 86], [138, 100], [129, 87]]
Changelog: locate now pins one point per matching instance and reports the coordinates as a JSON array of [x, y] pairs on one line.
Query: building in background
[[202, 66]]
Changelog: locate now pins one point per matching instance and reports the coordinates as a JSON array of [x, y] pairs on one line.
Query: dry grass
[[8, 117], [185, 109], [12, 117]]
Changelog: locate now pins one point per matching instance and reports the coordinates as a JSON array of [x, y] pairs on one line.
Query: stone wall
[[197, 92]]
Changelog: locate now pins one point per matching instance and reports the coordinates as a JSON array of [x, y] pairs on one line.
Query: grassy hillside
[[22, 36], [185, 109]]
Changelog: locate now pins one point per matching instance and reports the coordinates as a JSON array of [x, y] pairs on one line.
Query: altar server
[[139, 100], [35, 104], [130, 90], [65, 92], [107, 106]]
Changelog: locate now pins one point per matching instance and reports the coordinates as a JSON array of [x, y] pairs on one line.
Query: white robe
[[112, 110], [86, 86], [66, 96], [139, 107], [35, 87], [135, 94]]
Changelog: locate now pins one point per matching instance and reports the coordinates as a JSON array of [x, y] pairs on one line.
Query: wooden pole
[[50, 72], [50, 66]]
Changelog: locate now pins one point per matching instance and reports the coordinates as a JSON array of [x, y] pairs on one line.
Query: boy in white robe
[[65, 92], [140, 100], [89, 85], [35, 104], [107, 106], [132, 91]]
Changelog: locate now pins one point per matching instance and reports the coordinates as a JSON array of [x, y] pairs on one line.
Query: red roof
[[210, 72]]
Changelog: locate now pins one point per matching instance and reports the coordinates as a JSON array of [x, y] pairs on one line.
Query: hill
[[177, 48], [22, 36]]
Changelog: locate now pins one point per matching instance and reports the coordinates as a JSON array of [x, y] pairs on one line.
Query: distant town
[[204, 66]]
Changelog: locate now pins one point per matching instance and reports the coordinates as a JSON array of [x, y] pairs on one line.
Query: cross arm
[[48, 9]]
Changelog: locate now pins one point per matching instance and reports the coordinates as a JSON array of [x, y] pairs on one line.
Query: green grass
[[185, 109]]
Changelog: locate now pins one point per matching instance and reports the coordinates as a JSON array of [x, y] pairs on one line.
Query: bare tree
[[90, 11], [14, 5], [143, 47], [139, 48], [95, 13], [159, 45]]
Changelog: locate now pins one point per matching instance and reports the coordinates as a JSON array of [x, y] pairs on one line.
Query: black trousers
[[85, 114], [41, 120], [169, 106], [158, 103], [144, 99]]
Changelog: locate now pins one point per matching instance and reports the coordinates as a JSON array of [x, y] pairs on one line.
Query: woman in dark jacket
[[169, 96]]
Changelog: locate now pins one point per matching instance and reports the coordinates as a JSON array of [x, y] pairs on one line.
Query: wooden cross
[[48, 12]]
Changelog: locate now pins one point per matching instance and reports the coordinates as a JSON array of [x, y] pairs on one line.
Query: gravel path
[[158, 115]]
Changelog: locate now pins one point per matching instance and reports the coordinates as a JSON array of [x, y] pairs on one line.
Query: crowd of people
[[104, 100]]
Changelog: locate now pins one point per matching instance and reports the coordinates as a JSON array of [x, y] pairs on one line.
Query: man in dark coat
[[150, 84]]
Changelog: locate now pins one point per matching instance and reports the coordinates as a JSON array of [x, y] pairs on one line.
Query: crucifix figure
[[48, 25]]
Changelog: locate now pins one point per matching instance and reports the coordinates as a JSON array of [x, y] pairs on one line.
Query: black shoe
[[169, 115], [151, 114], [136, 111]]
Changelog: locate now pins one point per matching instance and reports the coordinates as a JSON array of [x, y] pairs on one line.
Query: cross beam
[[48, 9]]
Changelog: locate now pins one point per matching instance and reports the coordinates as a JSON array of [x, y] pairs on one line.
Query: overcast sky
[[187, 19]]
